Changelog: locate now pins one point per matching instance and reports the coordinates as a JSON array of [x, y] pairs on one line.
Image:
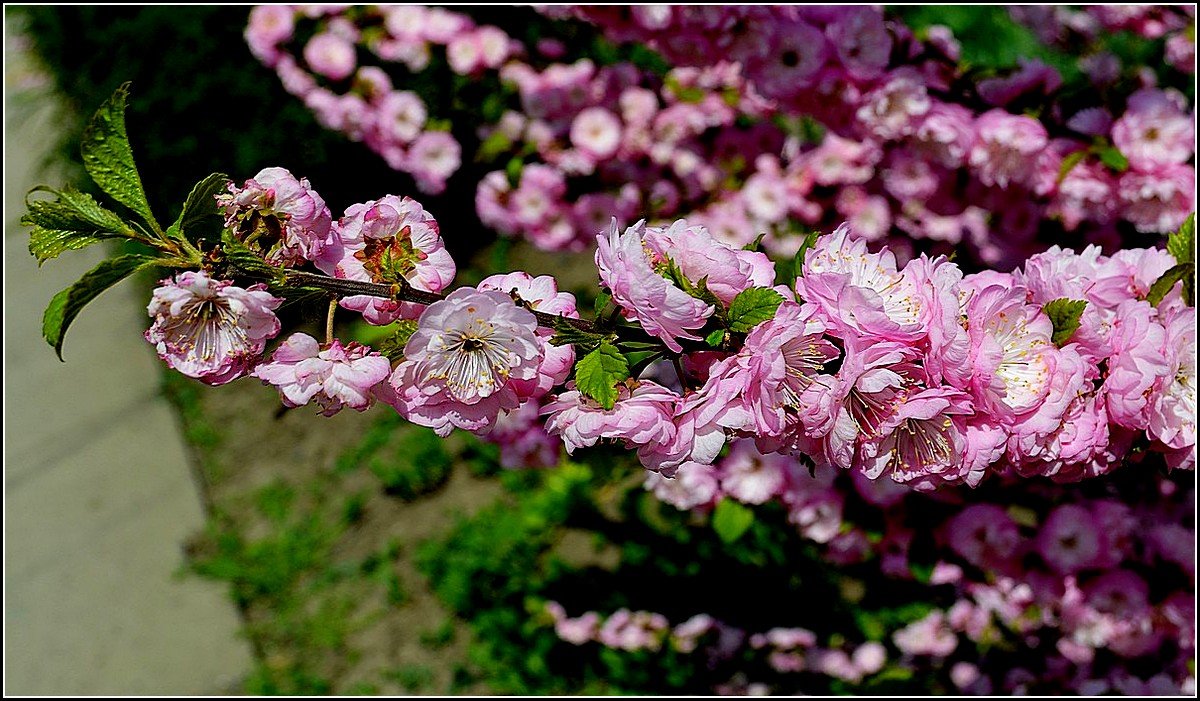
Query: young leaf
[[1113, 158], [731, 520], [73, 221], [108, 158], [1163, 285], [598, 373], [392, 347], [601, 303], [1182, 243], [200, 203], [240, 255], [1069, 162], [752, 307], [810, 240], [567, 335], [1065, 315], [716, 338], [65, 305]]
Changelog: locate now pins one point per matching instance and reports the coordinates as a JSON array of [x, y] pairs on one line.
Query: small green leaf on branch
[[752, 307], [1065, 315], [1162, 286], [731, 520], [65, 305], [599, 372], [108, 158]]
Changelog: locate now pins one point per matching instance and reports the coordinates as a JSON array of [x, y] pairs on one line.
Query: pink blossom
[[661, 308], [1157, 201], [726, 270], [330, 55], [751, 477], [210, 329], [983, 535], [862, 41], [336, 376], [541, 293], [928, 636], [269, 26], [284, 214], [524, 443], [432, 158], [1005, 147], [1154, 131], [1069, 540], [641, 416], [388, 240], [1139, 366], [596, 131], [894, 109], [1173, 410], [796, 53], [945, 134], [1033, 77], [694, 485], [923, 442], [461, 365], [873, 377]]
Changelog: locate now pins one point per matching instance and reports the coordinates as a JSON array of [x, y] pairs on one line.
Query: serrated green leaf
[[246, 260], [108, 158], [566, 334], [200, 203], [1069, 162], [810, 240], [1113, 158], [716, 338], [392, 347], [72, 221], [1182, 243], [731, 520], [65, 305], [752, 307], [1065, 315], [601, 303], [598, 373], [1167, 280], [756, 244]]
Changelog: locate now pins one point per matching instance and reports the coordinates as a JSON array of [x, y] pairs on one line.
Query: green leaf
[[731, 520], [1113, 158], [756, 244], [72, 221], [243, 258], [601, 303], [1167, 280], [810, 240], [566, 334], [716, 338], [108, 158], [752, 307], [392, 347], [599, 372], [1065, 315], [65, 305], [1182, 243], [1072, 159], [200, 203]]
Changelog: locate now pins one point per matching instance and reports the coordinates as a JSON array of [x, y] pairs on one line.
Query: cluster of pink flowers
[[916, 373], [786, 650], [899, 143], [1047, 567], [940, 378], [361, 100], [907, 153]]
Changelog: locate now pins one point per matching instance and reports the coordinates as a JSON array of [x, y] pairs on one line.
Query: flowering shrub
[[809, 116], [853, 395]]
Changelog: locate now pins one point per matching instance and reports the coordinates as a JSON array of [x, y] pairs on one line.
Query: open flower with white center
[[873, 379], [1173, 411], [460, 365], [860, 292], [540, 293], [384, 241], [597, 132], [209, 329], [1012, 358], [336, 376]]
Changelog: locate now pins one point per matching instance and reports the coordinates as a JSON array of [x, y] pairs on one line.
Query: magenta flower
[[384, 241], [462, 363], [209, 329], [1069, 540], [336, 376], [541, 293], [983, 535], [661, 308], [280, 214]]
